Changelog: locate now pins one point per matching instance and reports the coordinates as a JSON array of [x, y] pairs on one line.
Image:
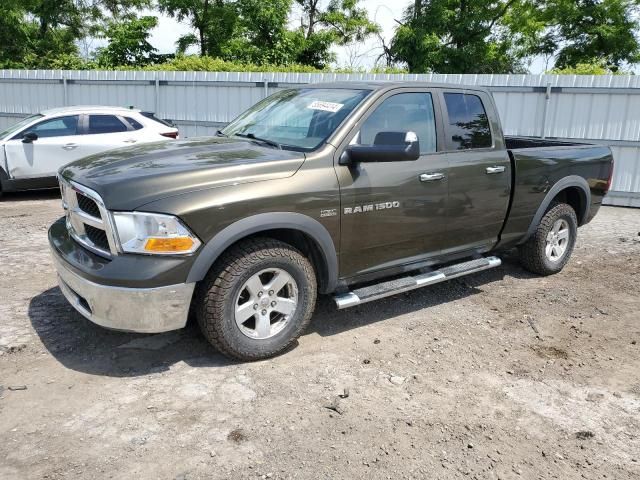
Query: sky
[[363, 55]]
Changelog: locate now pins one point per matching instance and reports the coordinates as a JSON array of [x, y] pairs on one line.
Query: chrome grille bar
[[78, 220]]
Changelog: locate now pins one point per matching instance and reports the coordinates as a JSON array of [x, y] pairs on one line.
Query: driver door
[[394, 213], [58, 142]]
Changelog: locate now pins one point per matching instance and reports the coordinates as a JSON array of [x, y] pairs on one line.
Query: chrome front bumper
[[144, 310]]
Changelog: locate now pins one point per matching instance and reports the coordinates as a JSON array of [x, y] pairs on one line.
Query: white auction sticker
[[326, 106]]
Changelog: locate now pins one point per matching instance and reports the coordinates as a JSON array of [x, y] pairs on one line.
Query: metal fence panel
[[603, 109]]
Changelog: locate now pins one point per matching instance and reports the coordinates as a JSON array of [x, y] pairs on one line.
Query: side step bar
[[404, 284]]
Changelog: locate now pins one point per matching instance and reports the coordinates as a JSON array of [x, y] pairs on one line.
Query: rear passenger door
[[105, 132], [479, 171]]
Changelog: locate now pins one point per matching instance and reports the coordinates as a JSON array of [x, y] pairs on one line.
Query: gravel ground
[[497, 375]]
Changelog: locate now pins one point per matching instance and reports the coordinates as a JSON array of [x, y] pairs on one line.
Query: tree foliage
[[128, 43], [214, 22], [587, 69], [443, 36], [458, 36], [592, 32], [502, 36], [339, 22]]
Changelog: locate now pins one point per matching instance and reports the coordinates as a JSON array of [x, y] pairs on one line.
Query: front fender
[[263, 222]]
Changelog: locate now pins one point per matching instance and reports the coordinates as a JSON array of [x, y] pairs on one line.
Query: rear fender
[[562, 184]]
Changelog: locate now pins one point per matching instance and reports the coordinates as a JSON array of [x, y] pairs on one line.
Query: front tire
[[257, 299], [550, 247]]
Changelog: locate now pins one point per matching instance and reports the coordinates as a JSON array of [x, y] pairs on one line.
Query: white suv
[[32, 151]]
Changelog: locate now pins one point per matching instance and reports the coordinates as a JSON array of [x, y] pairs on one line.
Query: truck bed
[[538, 164], [517, 143]]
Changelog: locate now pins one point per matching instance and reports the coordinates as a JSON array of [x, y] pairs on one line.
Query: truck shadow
[[82, 346]]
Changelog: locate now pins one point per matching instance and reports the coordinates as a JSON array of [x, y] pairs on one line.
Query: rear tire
[[550, 247], [257, 299]]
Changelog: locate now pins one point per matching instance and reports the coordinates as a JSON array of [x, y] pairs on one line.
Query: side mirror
[[29, 137], [387, 147]]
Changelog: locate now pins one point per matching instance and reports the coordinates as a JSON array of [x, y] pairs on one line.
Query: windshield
[[17, 126], [299, 119]]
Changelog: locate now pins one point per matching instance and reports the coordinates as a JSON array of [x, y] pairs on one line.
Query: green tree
[[262, 35], [128, 43], [588, 69], [458, 36], [13, 35], [340, 22], [592, 32], [44, 33], [214, 22]]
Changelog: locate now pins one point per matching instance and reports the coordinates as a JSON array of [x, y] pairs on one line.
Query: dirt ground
[[497, 375]]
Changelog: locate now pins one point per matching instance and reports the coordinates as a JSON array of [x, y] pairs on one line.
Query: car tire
[[548, 250], [257, 299]]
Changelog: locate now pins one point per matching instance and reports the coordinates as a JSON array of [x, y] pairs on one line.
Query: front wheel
[[257, 299], [549, 248]]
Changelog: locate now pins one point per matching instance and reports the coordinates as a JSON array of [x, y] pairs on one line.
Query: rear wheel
[[257, 299], [550, 247]]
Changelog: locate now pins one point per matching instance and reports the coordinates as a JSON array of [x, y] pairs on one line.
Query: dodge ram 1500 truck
[[358, 190]]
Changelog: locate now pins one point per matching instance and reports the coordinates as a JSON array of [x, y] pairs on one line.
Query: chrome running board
[[405, 284]]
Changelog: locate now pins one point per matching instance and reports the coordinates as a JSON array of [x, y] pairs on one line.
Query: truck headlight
[[154, 233]]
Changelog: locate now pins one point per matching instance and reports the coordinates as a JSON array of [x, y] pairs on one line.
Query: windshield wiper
[[220, 133], [251, 136]]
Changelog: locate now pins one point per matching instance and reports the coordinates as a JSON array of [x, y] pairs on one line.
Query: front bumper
[[145, 310]]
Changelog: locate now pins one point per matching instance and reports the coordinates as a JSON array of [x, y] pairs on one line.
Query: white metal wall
[[603, 109]]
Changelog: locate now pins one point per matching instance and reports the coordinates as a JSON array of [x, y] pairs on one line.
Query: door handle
[[491, 170], [431, 177], [130, 141], [70, 146]]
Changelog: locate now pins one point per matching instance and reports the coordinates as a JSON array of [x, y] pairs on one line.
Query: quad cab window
[[468, 123]]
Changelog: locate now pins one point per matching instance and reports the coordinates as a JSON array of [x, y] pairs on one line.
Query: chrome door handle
[[431, 177], [70, 146], [130, 141], [491, 170]]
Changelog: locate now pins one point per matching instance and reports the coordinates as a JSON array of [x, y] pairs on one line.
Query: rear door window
[[56, 127], [468, 123], [105, 124], [134, 123]]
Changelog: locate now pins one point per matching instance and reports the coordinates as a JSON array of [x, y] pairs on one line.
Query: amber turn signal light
[[171, 244]]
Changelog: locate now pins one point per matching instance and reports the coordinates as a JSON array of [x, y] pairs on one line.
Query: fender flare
[[263, 222], [562, 184]]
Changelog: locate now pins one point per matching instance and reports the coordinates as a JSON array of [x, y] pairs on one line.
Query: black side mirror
[[29, 137], [387, 147]]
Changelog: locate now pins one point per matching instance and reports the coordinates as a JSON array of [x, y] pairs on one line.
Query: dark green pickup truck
[[358, 190]]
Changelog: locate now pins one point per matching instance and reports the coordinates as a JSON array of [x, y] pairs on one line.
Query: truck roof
[[389, 84]]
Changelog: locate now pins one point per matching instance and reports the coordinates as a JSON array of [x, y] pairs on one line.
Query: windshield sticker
[[326, 106]]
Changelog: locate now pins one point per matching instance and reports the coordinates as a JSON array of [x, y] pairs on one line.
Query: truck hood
[[128, 178]]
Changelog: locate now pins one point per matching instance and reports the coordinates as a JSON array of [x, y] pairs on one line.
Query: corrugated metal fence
[[599, 109]]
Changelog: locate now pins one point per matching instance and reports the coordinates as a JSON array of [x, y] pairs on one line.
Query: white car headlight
[[154, 233]]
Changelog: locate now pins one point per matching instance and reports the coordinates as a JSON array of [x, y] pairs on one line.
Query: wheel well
[[574, 197], [303, 242]]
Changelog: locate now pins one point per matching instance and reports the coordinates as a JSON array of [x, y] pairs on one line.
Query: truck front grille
[[88, 220], [87, 205], [98, 237]]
